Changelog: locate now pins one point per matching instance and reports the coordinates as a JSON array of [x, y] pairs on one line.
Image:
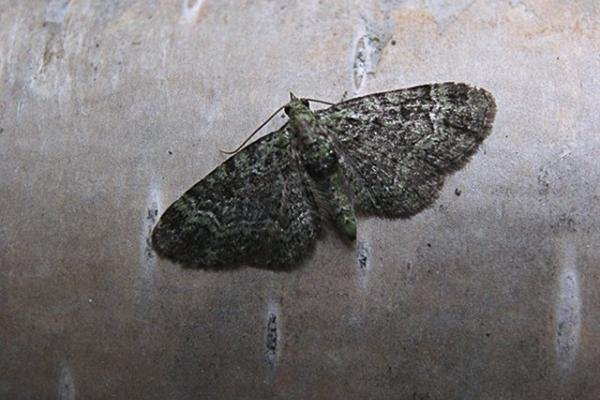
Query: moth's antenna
[[253, 133], [320, 101]]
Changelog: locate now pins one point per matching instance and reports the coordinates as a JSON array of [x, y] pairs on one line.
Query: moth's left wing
[[253, 209], [398, 146]]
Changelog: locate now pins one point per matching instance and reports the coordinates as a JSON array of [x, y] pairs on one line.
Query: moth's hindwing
[[398, 146], [253, 209]]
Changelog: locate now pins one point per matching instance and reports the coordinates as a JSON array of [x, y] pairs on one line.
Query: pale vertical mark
[[7, 57], [273, 335], [56, 10], [165, 44], [568, 308], [370, 39], [361, 61], [363, 263], [191, 9], [20, 107], [147, 255], [66, 386], [445, 12]]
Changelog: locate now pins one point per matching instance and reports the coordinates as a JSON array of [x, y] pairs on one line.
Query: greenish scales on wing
[[384, 154]]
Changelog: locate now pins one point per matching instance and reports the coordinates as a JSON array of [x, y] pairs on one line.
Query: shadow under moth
[[384, 154]]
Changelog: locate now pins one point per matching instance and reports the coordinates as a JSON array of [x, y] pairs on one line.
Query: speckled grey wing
[[398, 146], [253, 209]]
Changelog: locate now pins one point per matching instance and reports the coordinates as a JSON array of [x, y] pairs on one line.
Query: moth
[[384, 154]]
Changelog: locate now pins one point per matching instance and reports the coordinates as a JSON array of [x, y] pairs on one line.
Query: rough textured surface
[[110, 110]]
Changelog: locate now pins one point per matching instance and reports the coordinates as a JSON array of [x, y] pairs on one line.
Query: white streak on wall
[[363, 263], [191, 9], [568, 308], [66, 386], [147, 255], [273, 334], [446, 11], [361, 60], [56, 10], [370, 38]]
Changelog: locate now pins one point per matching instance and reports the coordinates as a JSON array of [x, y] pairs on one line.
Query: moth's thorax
[[320, 160], [303, 121], [313, 144]]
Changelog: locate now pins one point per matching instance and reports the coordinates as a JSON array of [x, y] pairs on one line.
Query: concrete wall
[[109, 110]]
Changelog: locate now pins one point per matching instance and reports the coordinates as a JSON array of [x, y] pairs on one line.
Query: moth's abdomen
[[322, 164], [341, 208]]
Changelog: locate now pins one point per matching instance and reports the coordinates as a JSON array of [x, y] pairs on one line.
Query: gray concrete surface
[[110, 110]]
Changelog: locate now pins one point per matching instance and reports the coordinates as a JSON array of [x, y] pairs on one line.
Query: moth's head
[[296, 106]]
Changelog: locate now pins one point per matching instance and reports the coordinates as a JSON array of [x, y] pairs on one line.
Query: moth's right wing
[[253, 209], [398, 146]]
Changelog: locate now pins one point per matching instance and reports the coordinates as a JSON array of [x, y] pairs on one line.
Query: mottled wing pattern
[[252, 209], [398, 146]]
